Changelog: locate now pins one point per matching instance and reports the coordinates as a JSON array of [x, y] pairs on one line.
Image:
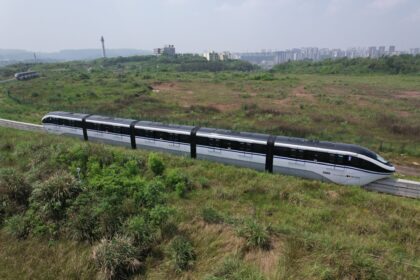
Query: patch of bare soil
[[227, 107], [413, 170], [408, 95], [302, 93], [164, 86]]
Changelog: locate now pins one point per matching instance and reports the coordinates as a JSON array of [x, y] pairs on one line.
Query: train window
[[300, 154], [125, 130], [117, 129], [293, 153], [149, 134], [332, 158], [340, 159]]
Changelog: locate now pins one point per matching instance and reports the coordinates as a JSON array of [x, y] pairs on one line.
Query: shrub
[[82, 222], [234, 269], [17, 226], [142, 232], [151, 194], [181, 190], [255, 234], [174, 177], [116, 258], [159, 215], [183, 254], [14, 189], [211, 216], [155, 164], [54, 195]]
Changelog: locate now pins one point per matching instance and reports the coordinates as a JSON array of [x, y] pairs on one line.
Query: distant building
[[391, 49], [372, 52], [166, 50], [214, 56], [381, 51]]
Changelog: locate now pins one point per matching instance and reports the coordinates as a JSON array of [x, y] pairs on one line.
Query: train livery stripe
[[194, 142], [270, 154], [133, 134], [85, 135]]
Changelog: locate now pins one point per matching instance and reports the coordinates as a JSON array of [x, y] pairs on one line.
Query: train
[[344, 164], [26, 75]]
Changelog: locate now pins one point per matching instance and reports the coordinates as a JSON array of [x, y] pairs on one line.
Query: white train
[[326, 161]]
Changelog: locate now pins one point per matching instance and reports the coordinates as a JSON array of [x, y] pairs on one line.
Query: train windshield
[[381, 159]]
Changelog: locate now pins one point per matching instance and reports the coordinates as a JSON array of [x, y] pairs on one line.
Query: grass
[[316, 230], [374, 110]]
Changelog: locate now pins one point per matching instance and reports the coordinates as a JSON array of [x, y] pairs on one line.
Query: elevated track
[[399, 187]]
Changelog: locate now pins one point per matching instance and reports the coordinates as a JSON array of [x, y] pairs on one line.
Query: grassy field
[[148, 216], [378, 111], [311, 230]]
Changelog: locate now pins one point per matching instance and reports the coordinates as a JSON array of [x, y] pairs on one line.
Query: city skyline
[[235, 25]]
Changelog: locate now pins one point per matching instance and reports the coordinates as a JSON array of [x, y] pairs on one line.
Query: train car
[[64, 123], [26, 75], [326, 161], [333, 162], [237, 148], [163, 137]]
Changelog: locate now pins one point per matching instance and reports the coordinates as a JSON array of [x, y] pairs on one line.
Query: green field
[[176, 218]]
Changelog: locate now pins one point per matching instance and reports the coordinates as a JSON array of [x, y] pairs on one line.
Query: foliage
[[53, 196], [182, 252], [116, 258], [14, 192], [256, 235], [142, 232], [155, 164], [175, 176], [17, 226], [402, 64]]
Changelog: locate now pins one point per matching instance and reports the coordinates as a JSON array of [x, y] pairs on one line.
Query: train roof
[[109, 120], [325, 145], [67, 115], [186, 129], [230, 134]]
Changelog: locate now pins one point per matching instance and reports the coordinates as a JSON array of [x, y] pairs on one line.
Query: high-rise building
[[391, 49], [372, 52], [381, 51], [167, 50]]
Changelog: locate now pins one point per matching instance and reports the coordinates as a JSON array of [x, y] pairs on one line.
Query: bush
[[151, 194], [14, 190], [174, 177], [53, 196], [159, 215], [155, 164], [82, 222], [211, 216], [255, 234], [142, 232], [181, 190], [17, 226], [183, 254], [116, 258]]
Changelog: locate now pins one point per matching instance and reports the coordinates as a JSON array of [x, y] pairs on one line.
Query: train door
[[339, 171]]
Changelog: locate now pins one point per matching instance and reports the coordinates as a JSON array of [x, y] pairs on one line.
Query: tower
[[103, 46]]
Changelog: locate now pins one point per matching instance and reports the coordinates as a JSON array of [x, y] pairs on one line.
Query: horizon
[[221, 25]]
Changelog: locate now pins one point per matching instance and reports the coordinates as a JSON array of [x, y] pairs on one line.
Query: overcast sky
[[199, 25]]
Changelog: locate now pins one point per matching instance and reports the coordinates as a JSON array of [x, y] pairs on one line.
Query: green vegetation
[[402, 64], [70, 209], [237, 223]]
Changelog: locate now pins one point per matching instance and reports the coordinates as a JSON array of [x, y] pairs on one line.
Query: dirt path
[[408, 170]]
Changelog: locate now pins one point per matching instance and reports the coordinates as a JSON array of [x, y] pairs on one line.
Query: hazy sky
[[196, 26]]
